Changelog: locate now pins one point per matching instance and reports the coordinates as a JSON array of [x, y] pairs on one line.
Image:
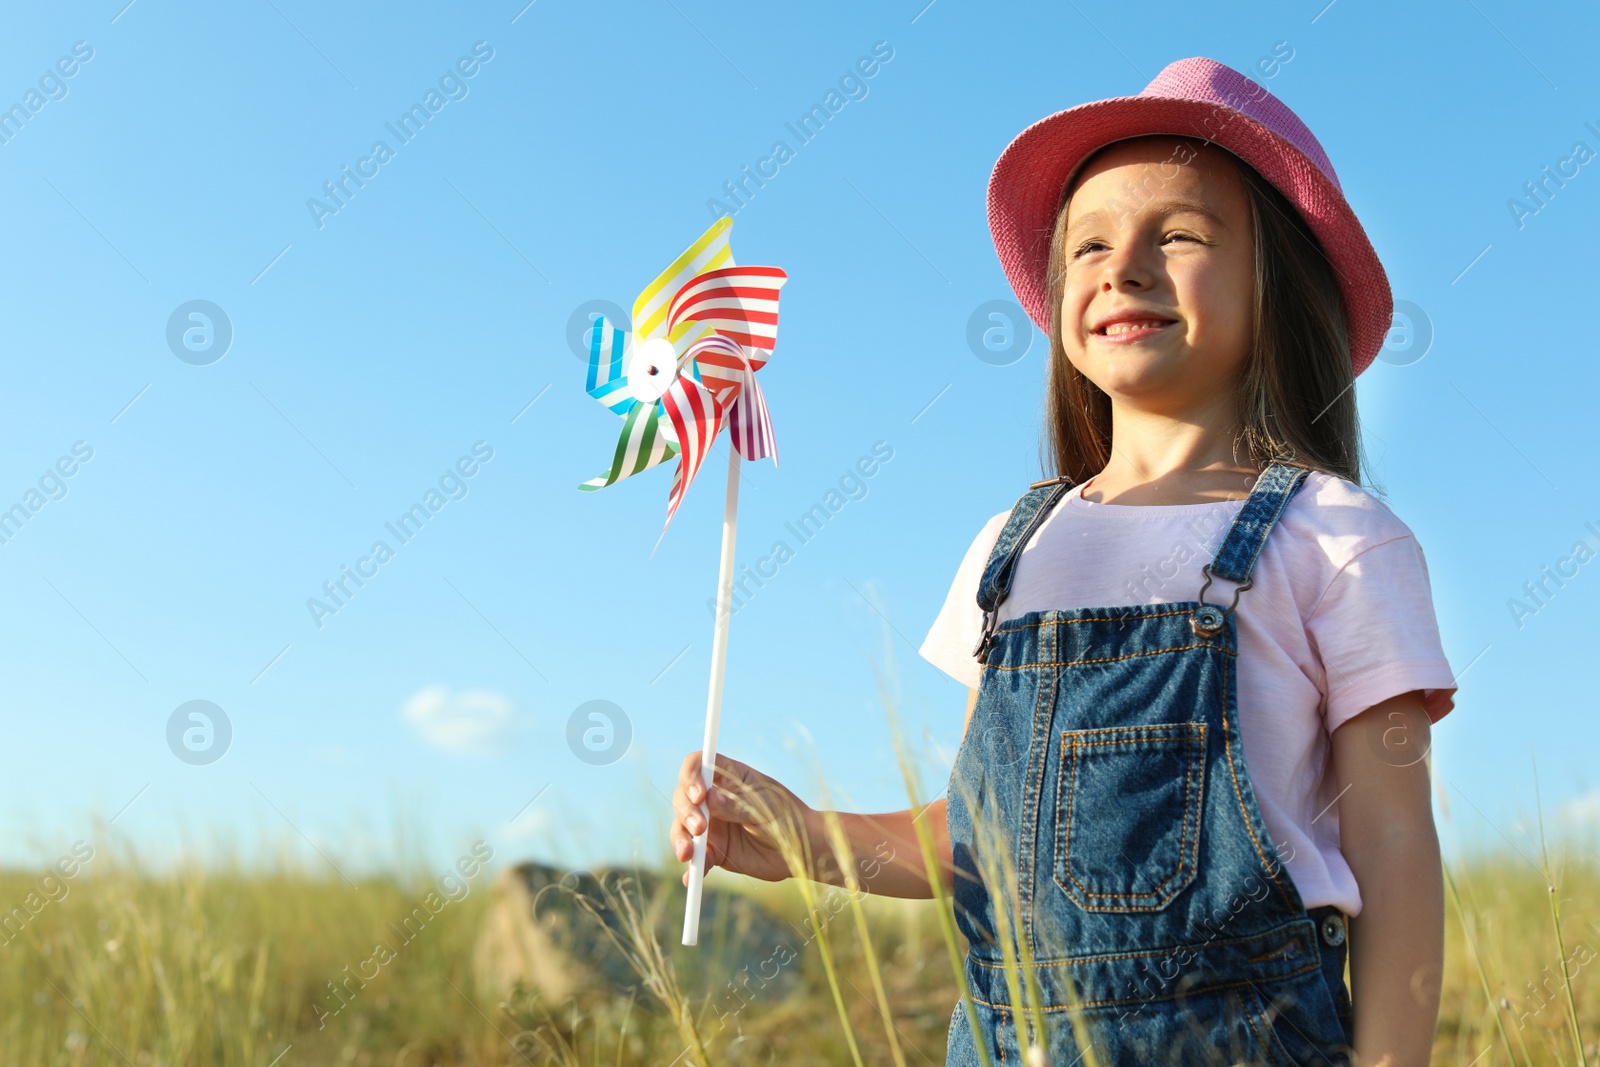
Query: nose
[[1127, 267]]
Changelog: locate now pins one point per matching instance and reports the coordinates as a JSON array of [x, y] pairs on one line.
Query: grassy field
[[217, 966]]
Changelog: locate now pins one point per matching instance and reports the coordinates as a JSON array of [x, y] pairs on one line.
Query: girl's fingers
[[687, 824], [682, 839], [689, 772], [719, 807], [685, 812], [691, 777], [730, 778], [686, 804]]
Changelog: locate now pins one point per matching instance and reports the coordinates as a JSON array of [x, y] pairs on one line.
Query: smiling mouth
[[1132, 331]]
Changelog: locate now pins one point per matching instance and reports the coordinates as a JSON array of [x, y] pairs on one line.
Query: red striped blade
[[696, 418], [739, 302]]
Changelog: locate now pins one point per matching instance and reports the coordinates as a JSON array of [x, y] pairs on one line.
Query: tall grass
[[215, 965]]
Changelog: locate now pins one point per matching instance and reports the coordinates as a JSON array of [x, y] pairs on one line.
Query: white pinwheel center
[[652, 369]]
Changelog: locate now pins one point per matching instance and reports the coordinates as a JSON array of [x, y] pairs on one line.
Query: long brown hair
[[1296, 395]]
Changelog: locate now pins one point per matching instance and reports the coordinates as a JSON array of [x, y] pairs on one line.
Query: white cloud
[[535, 821], [1582, 811], [467, 723]]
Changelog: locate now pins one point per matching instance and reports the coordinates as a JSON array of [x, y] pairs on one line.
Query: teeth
[[1126, 327]]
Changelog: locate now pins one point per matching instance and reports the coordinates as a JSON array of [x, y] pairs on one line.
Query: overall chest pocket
[[1128, 810]]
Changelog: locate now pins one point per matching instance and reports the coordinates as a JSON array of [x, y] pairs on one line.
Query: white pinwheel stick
[[719, 658]]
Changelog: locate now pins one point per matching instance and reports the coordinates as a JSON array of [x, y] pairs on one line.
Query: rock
[[547, 929]]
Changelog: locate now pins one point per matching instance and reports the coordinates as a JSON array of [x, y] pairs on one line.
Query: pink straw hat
[[1198, 98]]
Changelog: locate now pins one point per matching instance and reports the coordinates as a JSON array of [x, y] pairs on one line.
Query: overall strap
[[1024, 519], [1236, 556]]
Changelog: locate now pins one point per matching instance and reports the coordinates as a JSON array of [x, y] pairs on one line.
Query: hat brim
[[1026, 184]]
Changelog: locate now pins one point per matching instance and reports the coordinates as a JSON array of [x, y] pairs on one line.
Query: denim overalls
[[1100, 797]]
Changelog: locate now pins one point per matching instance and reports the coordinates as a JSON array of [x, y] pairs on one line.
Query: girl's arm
[[888, 856], [885, 847], [1387, 835]]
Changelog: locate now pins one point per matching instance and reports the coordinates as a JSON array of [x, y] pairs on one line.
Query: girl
[[1202, 660]]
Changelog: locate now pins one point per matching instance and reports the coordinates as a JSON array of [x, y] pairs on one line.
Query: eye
[[1087, 245]]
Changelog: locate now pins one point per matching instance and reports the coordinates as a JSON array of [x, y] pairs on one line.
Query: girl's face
[[1159, 231]]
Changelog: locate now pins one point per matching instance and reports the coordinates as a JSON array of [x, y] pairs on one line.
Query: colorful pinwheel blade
[[709, 252], [750, 424], [608, 381], [719, 362], [696, 419], [741, 303], [641, 446], [728, 370]]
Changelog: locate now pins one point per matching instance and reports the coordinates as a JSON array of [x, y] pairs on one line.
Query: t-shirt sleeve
[[1376, 634], [955, 631]]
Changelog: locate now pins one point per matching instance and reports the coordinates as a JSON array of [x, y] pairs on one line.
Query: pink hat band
[[1198, 98]]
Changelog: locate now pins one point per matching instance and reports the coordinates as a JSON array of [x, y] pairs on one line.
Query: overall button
[[1207, 620], [1333, 930]]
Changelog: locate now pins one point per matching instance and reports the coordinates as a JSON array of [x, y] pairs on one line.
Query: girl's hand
[[748, 810]]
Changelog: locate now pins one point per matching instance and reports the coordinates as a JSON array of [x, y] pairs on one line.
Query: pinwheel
[[703, 328], [701, 331]]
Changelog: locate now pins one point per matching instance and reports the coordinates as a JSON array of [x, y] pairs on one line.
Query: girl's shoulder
[[1335, 520], [1360, 579], [1341, 517]]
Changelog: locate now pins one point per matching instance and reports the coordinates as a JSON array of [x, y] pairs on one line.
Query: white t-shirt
[[1339, 618]]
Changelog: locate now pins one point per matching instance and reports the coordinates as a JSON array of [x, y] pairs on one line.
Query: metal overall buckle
[[1208, 619], [987, 640]]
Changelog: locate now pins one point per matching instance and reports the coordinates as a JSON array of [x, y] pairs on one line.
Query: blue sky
[[375, 347]]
